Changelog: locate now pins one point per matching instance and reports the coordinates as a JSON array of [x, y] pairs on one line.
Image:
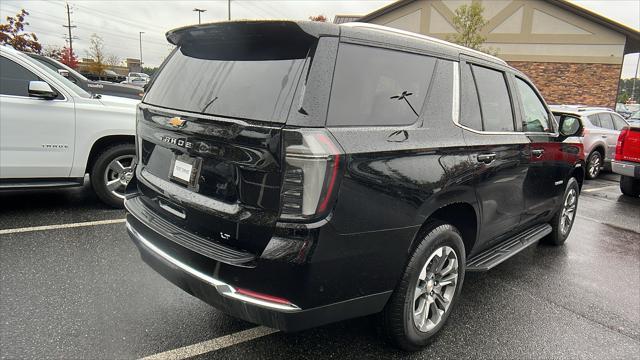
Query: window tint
[[606, 121], [495, 102], [378, 87], [594, 120], [535, 115], [470, 115], [14, 79], [618, 122], [242, 79]]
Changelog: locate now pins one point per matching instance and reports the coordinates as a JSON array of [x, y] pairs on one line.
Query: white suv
[[52, 132], [599, 132]]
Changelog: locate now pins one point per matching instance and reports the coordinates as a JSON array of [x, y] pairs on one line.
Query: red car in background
[[627, 160]]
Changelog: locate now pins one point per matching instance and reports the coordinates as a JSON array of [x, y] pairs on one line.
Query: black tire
[[594, 170], [398, 315], [97, 175], [630, 186], [560, 232]]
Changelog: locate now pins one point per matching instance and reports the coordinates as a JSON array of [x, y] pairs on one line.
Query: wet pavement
[[83, 292]]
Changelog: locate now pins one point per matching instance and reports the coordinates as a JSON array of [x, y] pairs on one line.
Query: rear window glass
[[378, 87], [470, 115], [495, 102], [237, 80], [606, 121], [594, 120]]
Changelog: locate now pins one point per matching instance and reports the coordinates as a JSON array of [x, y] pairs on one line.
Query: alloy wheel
[[118, 174], [568, 211], [435, 288], [594, 165]]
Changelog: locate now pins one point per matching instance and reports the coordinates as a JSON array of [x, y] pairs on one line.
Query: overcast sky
[[119, 22]]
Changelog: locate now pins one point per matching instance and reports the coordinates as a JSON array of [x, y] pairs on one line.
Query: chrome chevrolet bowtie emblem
[[176, 122]]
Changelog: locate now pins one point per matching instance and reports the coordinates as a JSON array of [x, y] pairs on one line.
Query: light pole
[[200, 11], [229, 10], [141, 32]]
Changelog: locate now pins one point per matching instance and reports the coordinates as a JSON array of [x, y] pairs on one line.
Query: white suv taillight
[[312, 172]]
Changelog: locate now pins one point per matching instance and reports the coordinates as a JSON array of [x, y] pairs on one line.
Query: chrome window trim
[[455, 111], [223, 288], [455, 103]]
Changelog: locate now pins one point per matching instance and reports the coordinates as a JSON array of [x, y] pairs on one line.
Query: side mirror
[[63, 72], [569, 126], [41, 89]]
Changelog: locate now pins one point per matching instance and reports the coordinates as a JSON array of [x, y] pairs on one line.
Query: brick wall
[[572, 83]]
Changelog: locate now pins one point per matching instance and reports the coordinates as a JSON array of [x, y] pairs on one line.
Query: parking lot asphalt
[[83, 292]]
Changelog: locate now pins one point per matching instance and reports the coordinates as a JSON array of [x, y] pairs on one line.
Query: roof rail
[[421, 37], [580, 107]]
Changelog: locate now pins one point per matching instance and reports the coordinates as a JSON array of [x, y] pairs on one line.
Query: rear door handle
[[604, 136], [486, 158], [537, 152]]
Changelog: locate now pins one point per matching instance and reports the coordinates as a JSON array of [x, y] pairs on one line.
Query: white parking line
[[598, 189], [61, 226], [213, 344]]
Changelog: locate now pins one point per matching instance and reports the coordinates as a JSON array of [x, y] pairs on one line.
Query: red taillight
[[265, 297], [620, 145], [312, 170]]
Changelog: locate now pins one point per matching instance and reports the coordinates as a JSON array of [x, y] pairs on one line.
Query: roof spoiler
[[258, 29]]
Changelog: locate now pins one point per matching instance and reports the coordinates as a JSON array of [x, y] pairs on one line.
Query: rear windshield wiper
[[208, 104]]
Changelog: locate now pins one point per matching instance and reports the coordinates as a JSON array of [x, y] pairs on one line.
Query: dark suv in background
[[294, 174], [95, 87]]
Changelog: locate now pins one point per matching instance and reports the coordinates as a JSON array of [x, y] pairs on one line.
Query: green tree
[[468, 22], [149, 70], [627, 90], [12, 33]]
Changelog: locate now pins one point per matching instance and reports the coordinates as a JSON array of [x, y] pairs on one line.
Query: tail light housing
[[620, 144], [313, 167]]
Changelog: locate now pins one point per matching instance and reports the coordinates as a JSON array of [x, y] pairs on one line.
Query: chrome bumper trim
[[624, 168], [223, 288]]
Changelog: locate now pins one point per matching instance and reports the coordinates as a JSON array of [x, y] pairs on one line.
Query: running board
[[39, 183], [495, 255]]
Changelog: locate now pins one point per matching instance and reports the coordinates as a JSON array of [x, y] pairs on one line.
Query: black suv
[[294, 174]]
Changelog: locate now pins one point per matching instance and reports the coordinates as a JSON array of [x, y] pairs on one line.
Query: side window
[[470, 115], [536, 118], [594, 120], [378, 87], [495, 103], [14, 79], [618, 122], [606, 121]]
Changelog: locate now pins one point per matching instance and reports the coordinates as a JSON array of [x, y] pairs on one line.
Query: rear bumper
[[225, 297], [626, 168]]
